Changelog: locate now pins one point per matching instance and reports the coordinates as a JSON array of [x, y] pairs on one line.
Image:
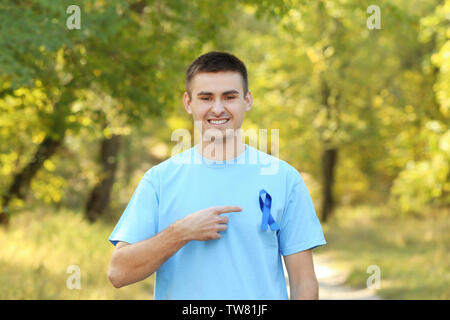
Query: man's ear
[[187, 102], [248, 101]]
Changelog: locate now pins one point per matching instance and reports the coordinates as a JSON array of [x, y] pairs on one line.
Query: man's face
[[218, 101]]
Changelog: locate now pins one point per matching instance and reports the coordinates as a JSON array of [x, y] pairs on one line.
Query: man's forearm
[[135, 262], [305, 291]]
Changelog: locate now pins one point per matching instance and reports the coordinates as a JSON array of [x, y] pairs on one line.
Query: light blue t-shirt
[[245, 263]]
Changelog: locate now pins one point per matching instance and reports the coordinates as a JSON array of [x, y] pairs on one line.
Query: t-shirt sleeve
[[139, 220], [300, 227]]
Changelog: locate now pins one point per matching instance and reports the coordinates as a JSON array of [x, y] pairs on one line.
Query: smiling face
[[218, 101]]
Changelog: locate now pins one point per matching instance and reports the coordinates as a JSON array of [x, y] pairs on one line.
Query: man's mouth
[[217, 122]]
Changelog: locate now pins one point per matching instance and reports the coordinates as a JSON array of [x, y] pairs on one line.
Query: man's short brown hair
[[216, 61]]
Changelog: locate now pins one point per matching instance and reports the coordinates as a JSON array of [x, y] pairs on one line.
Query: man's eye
[[205, 98], [230, 97]]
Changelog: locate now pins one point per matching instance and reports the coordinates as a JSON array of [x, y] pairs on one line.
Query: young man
[[215, 226]]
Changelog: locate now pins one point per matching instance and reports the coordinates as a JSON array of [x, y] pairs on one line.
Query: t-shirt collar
[[240, 159]]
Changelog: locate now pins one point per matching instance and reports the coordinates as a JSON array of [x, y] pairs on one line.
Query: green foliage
[[435, 30], [426, 181], [426, 178], [118, 69]]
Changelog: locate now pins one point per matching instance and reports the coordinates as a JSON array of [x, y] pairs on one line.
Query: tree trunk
[[22, 179], [329, 160], [52, 141], [99, 198]]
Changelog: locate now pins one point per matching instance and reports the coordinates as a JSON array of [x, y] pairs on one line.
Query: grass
[[38, 248], [413, 253]]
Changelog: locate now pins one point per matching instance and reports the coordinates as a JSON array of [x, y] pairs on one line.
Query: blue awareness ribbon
[[267, 219]]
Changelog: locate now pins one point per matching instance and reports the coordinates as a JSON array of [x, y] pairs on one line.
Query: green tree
[[124, 49]]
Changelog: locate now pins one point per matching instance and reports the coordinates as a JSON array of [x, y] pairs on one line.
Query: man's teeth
[[218, 121]]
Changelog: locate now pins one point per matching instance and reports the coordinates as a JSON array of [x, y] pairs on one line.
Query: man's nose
[[218, 107]]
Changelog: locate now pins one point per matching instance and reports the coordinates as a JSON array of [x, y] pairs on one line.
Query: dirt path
[[331, 283]]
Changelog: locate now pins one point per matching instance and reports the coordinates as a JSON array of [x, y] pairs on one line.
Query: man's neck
[[222, 150]]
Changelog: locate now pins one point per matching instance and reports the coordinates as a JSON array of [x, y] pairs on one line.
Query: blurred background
[[90, 95]]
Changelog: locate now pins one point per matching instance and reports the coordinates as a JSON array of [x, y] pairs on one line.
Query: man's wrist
[[179, 231]]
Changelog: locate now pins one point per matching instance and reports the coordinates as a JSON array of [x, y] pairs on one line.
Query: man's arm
[[302, 279], [134, 262]]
